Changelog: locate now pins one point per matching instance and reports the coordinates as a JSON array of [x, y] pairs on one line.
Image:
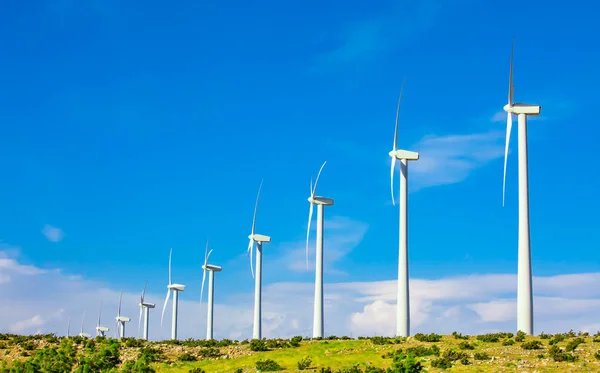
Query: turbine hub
[[508, 108]]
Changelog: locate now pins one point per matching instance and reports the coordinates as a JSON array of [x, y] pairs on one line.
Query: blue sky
[[133, 128]]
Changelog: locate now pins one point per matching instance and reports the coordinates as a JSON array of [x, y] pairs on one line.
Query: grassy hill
[[501, 352]]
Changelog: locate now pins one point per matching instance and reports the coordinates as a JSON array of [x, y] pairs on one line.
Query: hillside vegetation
[[500, 352]]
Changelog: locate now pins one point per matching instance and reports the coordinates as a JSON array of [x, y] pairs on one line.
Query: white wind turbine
[[321, 202], [524, 280], [101, 330], [259, 239], [69, 327], [145, 308], [81, 333], [403, 303], [176, 288], [211, 287], [121, 320]]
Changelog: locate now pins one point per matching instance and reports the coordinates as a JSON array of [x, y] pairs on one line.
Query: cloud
[[451, 159], [42, 301], [342, 236], [367, 39], [53, 234]]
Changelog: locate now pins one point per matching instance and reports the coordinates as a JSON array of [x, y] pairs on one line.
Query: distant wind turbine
[[145, 307], [524, 280], [321, 202], [69, 327], [211, 287], [100, 330], [81, 333], [259, 239], [403, 305], [176, 288], [121, 320]]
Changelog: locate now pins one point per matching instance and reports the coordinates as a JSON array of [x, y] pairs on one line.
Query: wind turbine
[[81, 333], [145, 307], [100, 330], [524, 281], [211, 287], [259, 239], [69, 327], [403, 306], [121, 320], [321, 202], [176, 288]]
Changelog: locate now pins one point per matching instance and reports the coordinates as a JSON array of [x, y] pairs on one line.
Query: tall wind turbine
[[69, 327], [321, 202], [176, 288], [121, 320], [145, 307], [524, 281], [258, 239], [403, 306], [100, 330], [81, 333], [211, 287]]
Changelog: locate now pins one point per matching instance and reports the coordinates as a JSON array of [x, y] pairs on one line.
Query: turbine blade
[[317, 181], [83, 319], [100, 313], [165, 307], [206, 262], [397, 116], [120, 299], [206, 253], [250, 249], [310, 213], [256, 206], [170, 255], [202, 288], [144, 292], [508, 129], [392, 178], [510, 76], [69, 326]]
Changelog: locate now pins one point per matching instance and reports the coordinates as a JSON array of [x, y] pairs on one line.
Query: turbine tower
[[524, 280], [100, 330], [211, 287], [176, 288], [121, 320], [69, 327], [259, 239], [321, 202], [145, 308], [81, 333], [403, 305]]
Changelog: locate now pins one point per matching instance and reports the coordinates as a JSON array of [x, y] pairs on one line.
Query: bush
[[508, 342], [544, 335], [405, 363], [441, 363], [268, 365], [520, 336], [295, 341], [572, 345], [597, 355], [304, 363], [258, 345], [557, 338], [325, 370], [558, 354], [465, 361], [420, 351], [238, 370], [381, 340], [196, 370], [481, 356], [464, 345], [532, 345], [210, 352], [428, 337], [186, 356], [459, 336]]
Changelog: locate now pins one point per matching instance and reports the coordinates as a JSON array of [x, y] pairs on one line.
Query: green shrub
[[325, 370], [428, 337], [459, 336], [541, 356], [597, 355], [258, 345], [196, 370], [481, 356], [209, 352], [465, 361], [508, 342], [268, 365], [558, 354], [544, 335], [420, 351], [304, 363], [238, 370], [532, 345], [464, 345], [557, 338], [572, 345], [441, 363], [381, 340], [186, 356], [295, 341], [520, 336]]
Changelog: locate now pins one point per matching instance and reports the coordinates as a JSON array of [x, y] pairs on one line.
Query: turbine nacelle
[[527, 109], [147, 305], [211, 267], [404, 154], [321, 200], [176, 287], [102, 329], [259, 238], [85, 335], [123, 319]]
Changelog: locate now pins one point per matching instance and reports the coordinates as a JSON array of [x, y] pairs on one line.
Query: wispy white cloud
[[450, 159], [342, 236], [53, 234], [468, 304]]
